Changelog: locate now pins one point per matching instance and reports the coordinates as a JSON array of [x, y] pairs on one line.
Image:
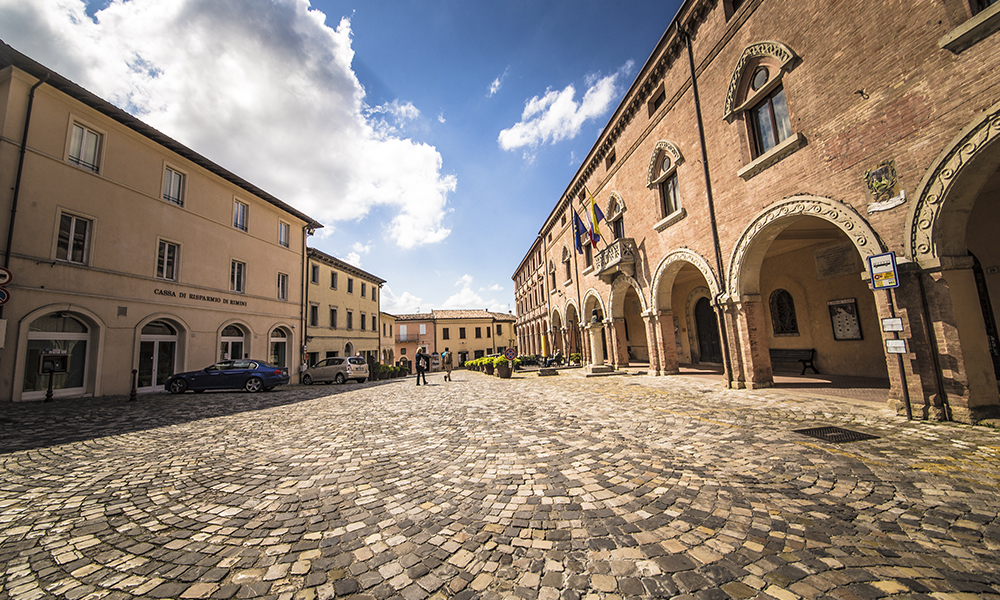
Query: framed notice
[[844, 319]]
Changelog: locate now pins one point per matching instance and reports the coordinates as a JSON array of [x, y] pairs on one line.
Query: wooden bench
[[785, 355]]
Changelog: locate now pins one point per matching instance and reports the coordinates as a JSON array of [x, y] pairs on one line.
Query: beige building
[[388, 328], [129, 251], [468, 334], [342, 309]]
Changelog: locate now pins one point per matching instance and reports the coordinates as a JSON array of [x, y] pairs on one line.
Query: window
[[350, 285], [479, 332], [374, 299], [173, 187], [499, 329], [669, 198], [85, 148], [350, 320], [364, 289], [783, 313], [333, 318], [488, 331], [610, 159], [566, 263], [73, 244], [314, 274], [423, 329], [314, 315], [445, 333], [240, 214], [282, 286], [769, 122], [461, 333], [659, 97], [237, 276], [363, 321], [374, 324], [284, 233], [333, 279], [588, 254], [166, 262]]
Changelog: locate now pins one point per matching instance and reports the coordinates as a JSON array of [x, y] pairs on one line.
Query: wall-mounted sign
[[844, 318], [895, 346], [200, 297], [5, 276], [894, 324], [882, 268]]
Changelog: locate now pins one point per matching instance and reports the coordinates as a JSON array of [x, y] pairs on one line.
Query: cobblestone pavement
[[555, 487]]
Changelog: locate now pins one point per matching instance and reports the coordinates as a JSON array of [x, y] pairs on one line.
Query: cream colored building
[[129, 251], [388, 351], [469, 334], [342, 309]]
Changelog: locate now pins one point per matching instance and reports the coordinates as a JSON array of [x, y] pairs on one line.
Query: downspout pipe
[[684, 35], [20, 169]]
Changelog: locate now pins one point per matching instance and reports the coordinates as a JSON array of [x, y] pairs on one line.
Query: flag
[[578, 230], [595, 216]]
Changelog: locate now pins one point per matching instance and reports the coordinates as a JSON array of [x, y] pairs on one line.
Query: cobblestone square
[[536, 488]]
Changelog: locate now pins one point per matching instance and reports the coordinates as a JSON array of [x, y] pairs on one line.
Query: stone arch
[[183, 330], [571, 304], [749, 251], [663, 148], [616, 206], [95, 353], [667, 270], [618, 289], [775, 53], [248, 335], [592, 300], [939, 215]]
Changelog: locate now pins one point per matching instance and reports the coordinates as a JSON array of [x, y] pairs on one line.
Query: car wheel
[[341, 379], [307, 380], [362, 380], [254, 384], [178, 386]]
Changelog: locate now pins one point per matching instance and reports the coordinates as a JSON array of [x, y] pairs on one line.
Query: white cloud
[[441, 117], [353, 258], [496, 288], [362, 248], [464, 280], [263, 87], [467, 298], [497, 83], [399, 305], [557, 115]]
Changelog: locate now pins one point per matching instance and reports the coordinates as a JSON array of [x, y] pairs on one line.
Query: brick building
[[765, 151]]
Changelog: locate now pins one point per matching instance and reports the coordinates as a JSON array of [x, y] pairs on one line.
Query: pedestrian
[[423, 363], [446, 359]]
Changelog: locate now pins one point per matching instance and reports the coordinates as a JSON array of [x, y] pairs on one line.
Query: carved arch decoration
[[616, 207], [782, 54], [654, 174], [672, 263], [753, 243], [619, 289], [931, 234]]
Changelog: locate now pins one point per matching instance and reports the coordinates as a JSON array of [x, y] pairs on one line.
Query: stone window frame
[[740, 99], [656, 175], [789, 325]]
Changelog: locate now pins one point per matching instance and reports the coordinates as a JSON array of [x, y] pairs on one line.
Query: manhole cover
[[836, 435]]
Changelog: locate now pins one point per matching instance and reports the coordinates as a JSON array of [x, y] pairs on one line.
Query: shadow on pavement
[[32, 425]]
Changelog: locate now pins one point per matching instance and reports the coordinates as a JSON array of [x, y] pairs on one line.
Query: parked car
[[338, 369], [240, 374]]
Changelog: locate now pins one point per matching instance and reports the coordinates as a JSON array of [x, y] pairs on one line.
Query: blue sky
[[432, 138]]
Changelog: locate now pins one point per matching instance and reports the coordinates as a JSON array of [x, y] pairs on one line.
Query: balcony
[[618, 257]]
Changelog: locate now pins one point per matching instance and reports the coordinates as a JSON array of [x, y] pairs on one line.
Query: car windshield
[[356, 361]]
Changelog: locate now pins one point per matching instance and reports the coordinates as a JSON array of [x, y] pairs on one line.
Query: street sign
[[882, 268], [510, 354], [5, 276], [4, 296]]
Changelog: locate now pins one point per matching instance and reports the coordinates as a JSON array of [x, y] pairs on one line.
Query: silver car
[[338, 369]]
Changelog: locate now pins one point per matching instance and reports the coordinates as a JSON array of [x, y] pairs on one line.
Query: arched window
[[56, 333], [783, 319], [232, 343], [157, 354], [616, 216], [552, 276], [279, 347], [567, 267], [662, 176]]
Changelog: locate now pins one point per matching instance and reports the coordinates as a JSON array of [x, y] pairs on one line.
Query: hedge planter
[[503, 371], [489, 369]]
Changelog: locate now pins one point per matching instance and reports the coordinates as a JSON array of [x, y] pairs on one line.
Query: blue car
[[240, 374]]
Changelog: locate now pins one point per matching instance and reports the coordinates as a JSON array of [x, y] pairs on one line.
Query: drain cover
[[836, 435]]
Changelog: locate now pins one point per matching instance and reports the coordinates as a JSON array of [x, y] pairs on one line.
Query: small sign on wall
[[844, 318], [895, 346]]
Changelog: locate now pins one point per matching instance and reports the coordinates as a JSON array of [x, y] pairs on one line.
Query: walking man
[[423, 363], [446, 359]]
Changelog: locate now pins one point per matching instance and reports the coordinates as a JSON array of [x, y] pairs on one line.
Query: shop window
[[85, 147], [783, 320], [73, 244], [279, 348], [173, 186], [63, 333]]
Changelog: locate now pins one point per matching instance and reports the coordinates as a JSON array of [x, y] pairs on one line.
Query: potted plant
[[502, 366], [575, 358], [488, 365]]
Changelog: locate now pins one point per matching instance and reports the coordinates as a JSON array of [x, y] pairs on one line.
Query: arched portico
[[818, 245], [678, 276], [951, 237], [628, 305], [594, 319]]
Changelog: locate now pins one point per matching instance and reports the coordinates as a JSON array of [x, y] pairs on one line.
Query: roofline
[[11, 57], [345, 266]]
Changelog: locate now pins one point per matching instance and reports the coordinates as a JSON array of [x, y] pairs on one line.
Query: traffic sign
[[4, 296], [510, 354], [883, 271], [5, 276]]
